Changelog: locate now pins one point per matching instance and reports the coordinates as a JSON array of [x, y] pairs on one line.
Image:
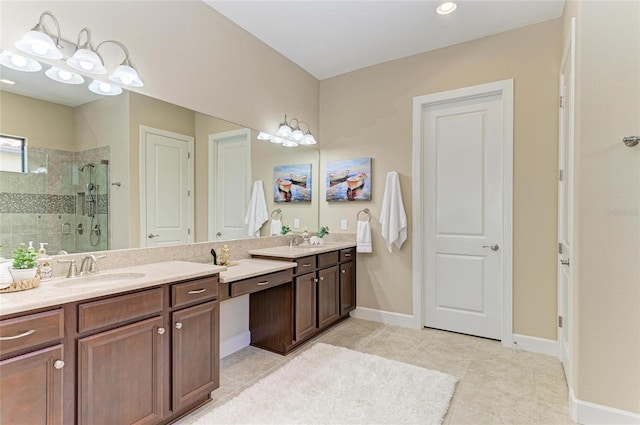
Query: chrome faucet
[[293, 240], [89, 265]]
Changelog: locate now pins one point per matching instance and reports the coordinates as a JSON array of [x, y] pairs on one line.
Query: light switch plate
[[343, 224], [296, 223]]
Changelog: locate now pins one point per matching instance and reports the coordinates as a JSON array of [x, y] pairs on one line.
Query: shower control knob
[[151, 236]]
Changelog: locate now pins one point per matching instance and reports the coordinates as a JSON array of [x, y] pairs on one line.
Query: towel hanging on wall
[[393, 219], [257, 213], [363, 237]]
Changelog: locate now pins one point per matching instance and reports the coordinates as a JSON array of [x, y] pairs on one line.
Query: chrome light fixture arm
[[40, 26]]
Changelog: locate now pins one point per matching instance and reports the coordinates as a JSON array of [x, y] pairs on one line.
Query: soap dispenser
[[305, 236], [43, 263]]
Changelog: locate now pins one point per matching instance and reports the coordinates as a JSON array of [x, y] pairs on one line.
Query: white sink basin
[[97, 279]]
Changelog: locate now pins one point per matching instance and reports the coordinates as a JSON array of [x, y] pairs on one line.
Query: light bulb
[[39, 49], [87, 66], [64, 75], [105, 87], [446, 8], [19, 61]]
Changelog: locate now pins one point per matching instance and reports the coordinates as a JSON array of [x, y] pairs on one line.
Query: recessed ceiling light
[[446, 8], [5, 81]]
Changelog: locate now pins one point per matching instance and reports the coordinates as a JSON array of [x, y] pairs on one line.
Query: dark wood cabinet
[[347, 288], [196, 353], [305, 306], [120, 374], [31, 387], [328, 296]]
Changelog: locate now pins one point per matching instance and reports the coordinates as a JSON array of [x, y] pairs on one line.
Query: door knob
[[151, 236], [564, 262], [494, 247], [219, 234]]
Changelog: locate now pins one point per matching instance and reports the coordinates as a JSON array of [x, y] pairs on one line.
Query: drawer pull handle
[[266, 282], [306, 265], [161, 331], [58, 364], [178, 325], [22, 335], [196, 291], [347, 255]]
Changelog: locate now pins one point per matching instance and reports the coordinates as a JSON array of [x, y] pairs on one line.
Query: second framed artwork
[[292, 183], [349, 180]]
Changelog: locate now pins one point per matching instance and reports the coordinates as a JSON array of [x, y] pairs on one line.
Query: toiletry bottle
[[30, 248], [305, 236], [43, 263], [225, 256]]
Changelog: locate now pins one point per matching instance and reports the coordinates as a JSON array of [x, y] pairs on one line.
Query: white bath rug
[[334, 385]]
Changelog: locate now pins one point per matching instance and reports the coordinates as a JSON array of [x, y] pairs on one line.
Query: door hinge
[[188, 231], [188, 193], [562, 101], [188, 155], [561, 175], [560, 322], [559, 247]]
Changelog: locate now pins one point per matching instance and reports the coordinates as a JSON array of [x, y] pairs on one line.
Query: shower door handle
[[151, 236]]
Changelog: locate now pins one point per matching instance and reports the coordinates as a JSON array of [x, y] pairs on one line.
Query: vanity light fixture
[[85, 58], [291, 132], [446, 8], [19, 62], [63, 76], [7, 81], [105, 89]]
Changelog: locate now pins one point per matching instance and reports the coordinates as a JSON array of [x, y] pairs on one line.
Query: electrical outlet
[[343, 224], [296, 223]]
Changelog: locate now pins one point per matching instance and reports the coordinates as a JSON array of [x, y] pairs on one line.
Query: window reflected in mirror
[[13, 154]]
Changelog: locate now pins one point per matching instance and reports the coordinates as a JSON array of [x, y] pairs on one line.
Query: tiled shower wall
[[48, 206]]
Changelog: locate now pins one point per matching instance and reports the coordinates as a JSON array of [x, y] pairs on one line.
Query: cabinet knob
[[321, 277], [58, 364], [178, 325], [343, 271], [316, 280], [161, 331]]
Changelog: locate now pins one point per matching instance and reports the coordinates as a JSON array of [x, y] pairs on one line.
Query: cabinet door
[[328, 296], [196, 355], [31, 388], [347, 289], [305, 308], [120, 375]]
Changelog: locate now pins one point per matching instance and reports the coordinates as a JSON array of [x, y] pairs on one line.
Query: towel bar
[[277, 212], [366, 211]]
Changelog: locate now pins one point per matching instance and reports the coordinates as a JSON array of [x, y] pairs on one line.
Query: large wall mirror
[[81, 189]]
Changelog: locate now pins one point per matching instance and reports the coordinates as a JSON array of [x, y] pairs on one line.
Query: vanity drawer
[[305, 264], [114, 310], [259, 283], [194, 290], [327, 259], [347, 254], [31, 330]]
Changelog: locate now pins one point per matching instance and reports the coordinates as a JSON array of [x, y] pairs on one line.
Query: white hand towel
[[257, 213], [276, 227], [363, 237], [393, 219]]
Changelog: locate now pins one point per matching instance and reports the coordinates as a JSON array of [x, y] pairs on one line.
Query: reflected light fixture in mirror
[[289, 134], [86, 59], [19, 62]]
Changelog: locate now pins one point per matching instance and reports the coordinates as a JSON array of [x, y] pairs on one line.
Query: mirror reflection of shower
[[91, 200]]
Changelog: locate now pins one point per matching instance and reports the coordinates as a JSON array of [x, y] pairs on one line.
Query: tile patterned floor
[[497, 385]]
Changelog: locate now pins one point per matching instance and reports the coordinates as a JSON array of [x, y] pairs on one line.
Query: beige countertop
[[108, 282], [246, 268], [301, 250]]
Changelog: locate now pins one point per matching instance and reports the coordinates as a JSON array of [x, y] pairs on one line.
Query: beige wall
[[369, 113], [187, 54], [157, 114], [45, 124], [606, 269]]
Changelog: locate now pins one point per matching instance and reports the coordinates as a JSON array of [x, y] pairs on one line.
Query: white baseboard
[[386, 317], [536, 345], [235, 343], [587, 413]]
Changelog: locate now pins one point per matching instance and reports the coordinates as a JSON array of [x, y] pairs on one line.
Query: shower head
[[90, 164]]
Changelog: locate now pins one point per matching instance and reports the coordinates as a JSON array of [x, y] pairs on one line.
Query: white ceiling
[[330, 37]]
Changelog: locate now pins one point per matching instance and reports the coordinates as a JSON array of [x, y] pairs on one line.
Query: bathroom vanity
[[146, 355]]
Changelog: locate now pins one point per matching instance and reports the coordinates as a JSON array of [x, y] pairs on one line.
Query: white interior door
[[166, 184], [565, 202], [467, 212], [229, 183]]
